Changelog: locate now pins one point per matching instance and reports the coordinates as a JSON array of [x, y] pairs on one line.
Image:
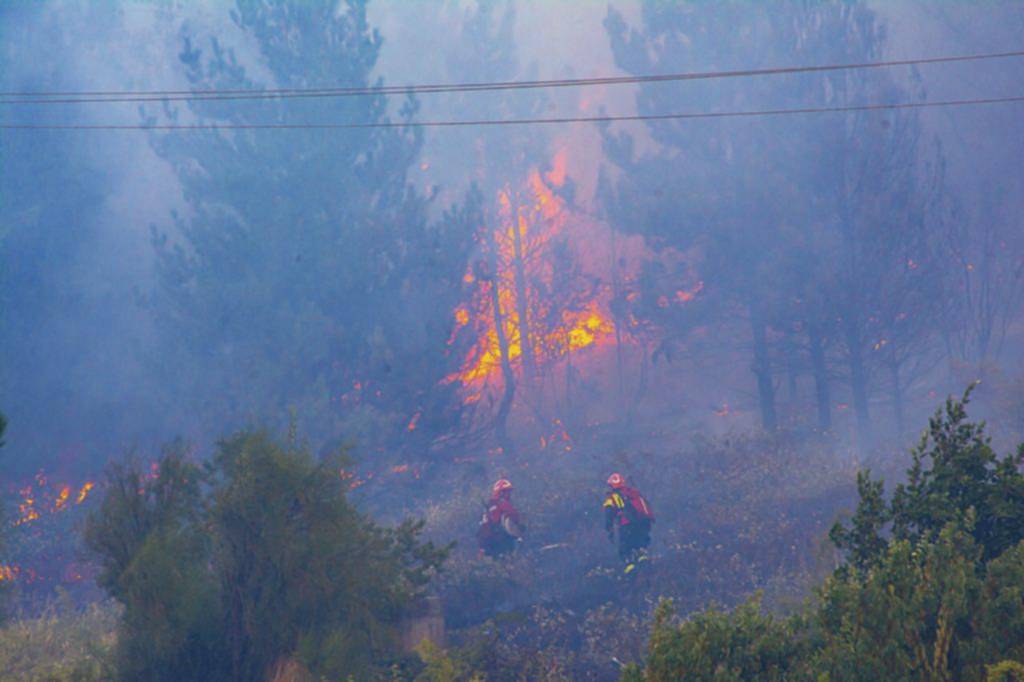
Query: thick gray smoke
[[99, 354]]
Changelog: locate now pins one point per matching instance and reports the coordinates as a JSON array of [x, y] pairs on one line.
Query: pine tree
[[791, 220], [305, 272]]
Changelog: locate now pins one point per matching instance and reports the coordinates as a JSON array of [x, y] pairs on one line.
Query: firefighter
[[501, 528], [626, 510]]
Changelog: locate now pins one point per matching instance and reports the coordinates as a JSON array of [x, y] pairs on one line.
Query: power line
[[69, 97], [521, 121]]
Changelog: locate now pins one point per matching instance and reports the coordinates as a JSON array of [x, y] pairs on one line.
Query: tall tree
[[985, 253], [305, 272], [886, 287], [519, 238], [757, 200]]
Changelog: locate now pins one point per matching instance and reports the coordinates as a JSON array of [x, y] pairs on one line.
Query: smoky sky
[[78, 379]]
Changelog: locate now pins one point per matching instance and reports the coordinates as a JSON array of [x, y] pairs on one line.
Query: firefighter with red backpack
[[501, 527], [626, 511]]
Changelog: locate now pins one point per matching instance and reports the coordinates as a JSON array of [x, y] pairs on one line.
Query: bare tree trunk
[[858, 380], [641, 387], [763, 371], [792, 370], [620, 398], [501, 419], [522, 304], [820, 371], [568, 375]]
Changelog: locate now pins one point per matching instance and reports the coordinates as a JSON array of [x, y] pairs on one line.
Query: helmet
[[500, 486], [616, 481]]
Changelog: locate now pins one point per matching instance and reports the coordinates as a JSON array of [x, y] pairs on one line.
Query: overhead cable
[[99, 96], [505, 122]]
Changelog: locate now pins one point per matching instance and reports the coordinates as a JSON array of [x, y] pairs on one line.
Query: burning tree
[[533, 297], [530, 303]]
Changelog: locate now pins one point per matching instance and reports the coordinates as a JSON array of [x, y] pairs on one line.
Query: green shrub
[[933, 587], [1006, 671], [910, 615], [744, 644], [953, 470], [226, 570]]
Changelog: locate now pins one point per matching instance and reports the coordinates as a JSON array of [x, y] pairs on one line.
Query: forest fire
[[45, 511], [560, 308], [531, 304], [41, 497]]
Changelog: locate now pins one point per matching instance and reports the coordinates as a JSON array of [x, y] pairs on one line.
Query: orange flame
[[529, 222], [84, 492], [62, 498], [41, 497]]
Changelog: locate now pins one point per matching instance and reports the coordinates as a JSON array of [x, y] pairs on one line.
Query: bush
[[953, 470], [924, 611], [1006, 671], [742, 645], [933, 588], [226, 570]]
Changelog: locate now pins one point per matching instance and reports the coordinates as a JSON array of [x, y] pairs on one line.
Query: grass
[[63, 644]]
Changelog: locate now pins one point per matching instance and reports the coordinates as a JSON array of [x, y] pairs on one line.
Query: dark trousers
[[634, 539], [498, 543]]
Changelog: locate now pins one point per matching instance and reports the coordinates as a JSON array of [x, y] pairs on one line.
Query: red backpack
[[638, 508]]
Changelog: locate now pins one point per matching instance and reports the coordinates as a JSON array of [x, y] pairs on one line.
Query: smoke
[[84, 345]]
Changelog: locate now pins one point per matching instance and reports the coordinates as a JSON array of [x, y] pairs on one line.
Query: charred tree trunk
[[858, 380], [763, 371], [508, 396], [568, 375], [616, 319], [792, 370], [618, 363], [522, 303], [641, 387], [820, 371]]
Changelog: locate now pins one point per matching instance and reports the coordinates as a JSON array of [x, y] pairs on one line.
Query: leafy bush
[[226, 570], [742, 645], [933, 588], [954, 469]]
